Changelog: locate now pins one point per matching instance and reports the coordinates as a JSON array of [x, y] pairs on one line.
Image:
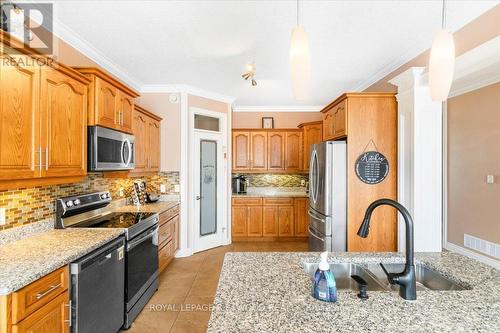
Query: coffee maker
[[239, 184]]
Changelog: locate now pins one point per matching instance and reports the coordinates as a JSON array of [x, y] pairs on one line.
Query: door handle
[[198, 197], [309, 212], [312, 233]]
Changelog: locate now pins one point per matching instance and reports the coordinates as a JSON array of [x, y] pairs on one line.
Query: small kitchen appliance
[[239, 184], [109, 149]]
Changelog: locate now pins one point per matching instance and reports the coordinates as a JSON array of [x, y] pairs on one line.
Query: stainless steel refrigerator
[[328, 197]]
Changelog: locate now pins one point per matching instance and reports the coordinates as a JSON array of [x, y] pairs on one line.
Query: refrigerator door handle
[[312, 233], [310, 213]]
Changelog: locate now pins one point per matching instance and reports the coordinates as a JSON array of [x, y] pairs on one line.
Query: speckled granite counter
[[270, 292], [273, 192], [24, 261]]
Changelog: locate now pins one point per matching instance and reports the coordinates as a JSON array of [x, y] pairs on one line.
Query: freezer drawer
[[320, 222]]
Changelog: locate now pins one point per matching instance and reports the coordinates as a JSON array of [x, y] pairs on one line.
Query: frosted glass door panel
[[208, 187]]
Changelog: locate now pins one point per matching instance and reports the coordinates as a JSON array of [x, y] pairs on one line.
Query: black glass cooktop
[[122, 220]]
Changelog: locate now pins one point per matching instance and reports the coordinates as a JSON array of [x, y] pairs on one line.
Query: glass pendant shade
[[441, 65], [300, 63]]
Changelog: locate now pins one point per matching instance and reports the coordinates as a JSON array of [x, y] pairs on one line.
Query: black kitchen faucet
[[405, 279]]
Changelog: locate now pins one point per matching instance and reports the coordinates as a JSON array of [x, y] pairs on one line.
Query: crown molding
[[74, 40], [274, 108], [185, 88]]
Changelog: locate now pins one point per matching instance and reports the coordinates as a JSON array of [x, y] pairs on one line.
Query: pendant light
[[300, 61], [441, 62]]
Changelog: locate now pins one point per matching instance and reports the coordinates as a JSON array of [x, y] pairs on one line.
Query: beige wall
[[473, 153], [281, 119], [207, 104], [159, 104], [477, 32]]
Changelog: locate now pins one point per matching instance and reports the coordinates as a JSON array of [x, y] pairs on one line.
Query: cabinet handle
[[70, 314], [47, 158], [48, 291], [40, 158]]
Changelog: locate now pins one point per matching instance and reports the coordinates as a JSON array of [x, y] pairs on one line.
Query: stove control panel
[[80, 203]]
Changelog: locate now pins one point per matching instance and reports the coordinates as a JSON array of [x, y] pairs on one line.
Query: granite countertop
[[26, 260], [157, 207], [270, 292], [274, 192]]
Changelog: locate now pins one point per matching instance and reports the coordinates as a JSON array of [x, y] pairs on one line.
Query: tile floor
[[187, 289]]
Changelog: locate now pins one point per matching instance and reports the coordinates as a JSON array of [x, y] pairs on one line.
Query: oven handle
[[129, 146], [312, 233], [150, 234]]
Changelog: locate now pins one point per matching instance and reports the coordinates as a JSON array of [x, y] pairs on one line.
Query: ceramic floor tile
[[177, 287], [196, 308], [189, 326], [206, 288]]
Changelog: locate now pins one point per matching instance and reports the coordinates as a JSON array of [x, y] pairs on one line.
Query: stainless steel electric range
[[141, 238]]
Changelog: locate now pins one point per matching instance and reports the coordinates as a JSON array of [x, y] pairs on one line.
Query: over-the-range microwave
[[109, 149]]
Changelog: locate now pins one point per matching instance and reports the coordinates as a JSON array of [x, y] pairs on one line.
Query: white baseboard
[[184, 253], [474, 255]]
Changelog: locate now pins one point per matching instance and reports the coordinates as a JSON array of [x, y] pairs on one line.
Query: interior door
[[210, 190]]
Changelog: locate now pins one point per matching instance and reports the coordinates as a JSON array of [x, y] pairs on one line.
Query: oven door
[[142, 264], [109, 149]]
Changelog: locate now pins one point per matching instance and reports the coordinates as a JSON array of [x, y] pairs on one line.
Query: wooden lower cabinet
[[168, 237], [269, 218], [40, 307]]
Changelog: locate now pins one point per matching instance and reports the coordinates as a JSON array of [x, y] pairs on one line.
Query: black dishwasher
[[98, 290]]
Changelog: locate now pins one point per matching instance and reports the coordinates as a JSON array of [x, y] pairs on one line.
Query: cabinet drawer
[[278, 201], [167, 215], [247, 201], [165, 255], [37, 294], [165, 232]]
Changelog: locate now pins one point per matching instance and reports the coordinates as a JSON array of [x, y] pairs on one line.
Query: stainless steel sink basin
[[427, 279], [342, 273]]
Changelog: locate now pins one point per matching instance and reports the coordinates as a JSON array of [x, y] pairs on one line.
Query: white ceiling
[[206, 44]]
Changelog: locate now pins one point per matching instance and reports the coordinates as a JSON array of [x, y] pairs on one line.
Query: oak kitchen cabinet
[[369, 122], [146, 130], [312, 133], [42, 306], [269, 218], [43, 120], [261, 151], [168, 236], [111, 103]]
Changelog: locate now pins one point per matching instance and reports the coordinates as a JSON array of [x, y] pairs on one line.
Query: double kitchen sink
[[376, 280]]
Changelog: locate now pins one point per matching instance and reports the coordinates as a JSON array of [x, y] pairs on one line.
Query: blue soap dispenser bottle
[[325, 287]]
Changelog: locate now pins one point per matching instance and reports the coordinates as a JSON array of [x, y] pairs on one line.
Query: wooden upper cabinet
[[241, 150], [63, 110], [146, 129], [293, 150], [106, 104], [43, 120], [312, 133], [276, 150], [335, 120], [125, 111], [19, 117], [111, 103], [258, 151]]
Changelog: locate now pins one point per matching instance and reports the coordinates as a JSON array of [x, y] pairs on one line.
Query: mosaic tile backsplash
[[29, 205], [275, 180]]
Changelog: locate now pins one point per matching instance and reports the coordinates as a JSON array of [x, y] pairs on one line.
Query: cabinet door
[[312, 134], [52, 317], [285, 218], [63, 111], [241, 151], [270, 221], [19, 117], [154, 145], [125, 111], [293, 151], [106, 104], [239, 221], [275, 149], [328, 125], [301, 218], [140, 130], [255, 221], [340, 119], [258, 151]]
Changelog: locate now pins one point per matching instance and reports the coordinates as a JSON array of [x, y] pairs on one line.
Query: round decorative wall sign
[[372, 167]]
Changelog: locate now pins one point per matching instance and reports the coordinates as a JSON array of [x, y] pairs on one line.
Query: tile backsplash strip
[[29, 205], [275, 180]]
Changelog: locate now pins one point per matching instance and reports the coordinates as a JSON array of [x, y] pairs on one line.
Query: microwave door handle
[[127, 143]]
